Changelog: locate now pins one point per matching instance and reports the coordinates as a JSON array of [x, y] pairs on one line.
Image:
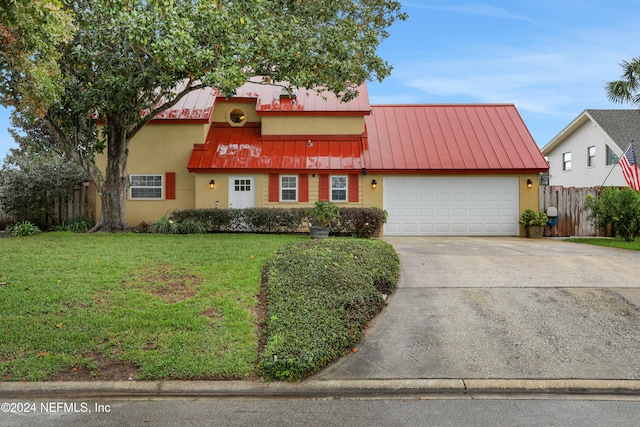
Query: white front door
[[242, 192]]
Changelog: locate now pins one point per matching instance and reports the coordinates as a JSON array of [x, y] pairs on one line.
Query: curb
[[314, 389]]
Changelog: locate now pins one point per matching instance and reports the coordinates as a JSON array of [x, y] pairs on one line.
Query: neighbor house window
[[566, 161], [289, 188], [591, 156], [612, 158], [145, 187], [339, 188]]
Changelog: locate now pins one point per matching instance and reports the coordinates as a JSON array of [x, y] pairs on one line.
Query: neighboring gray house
[[587, 150]]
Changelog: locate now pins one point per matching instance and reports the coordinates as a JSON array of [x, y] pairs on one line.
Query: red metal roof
[[450, 139], [243, 149], [269, 100], [198, 105]]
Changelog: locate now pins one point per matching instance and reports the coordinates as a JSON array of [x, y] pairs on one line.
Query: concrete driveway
[[504, 308]]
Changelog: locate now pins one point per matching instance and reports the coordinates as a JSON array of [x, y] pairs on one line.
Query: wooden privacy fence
[[572, 217], [79, 205]]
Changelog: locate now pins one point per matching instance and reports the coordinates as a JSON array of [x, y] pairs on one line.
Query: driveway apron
[[504, 308]]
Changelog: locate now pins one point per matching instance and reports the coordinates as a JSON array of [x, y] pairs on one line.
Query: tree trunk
[[113, 191]]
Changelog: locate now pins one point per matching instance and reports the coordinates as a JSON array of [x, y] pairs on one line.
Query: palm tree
[[627, 89]]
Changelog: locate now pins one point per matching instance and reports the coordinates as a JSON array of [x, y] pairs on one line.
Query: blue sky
[[549, 58]]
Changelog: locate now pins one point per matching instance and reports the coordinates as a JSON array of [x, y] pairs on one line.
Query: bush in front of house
[[22, 229], [361, 222], [619, 207], [320, 295]]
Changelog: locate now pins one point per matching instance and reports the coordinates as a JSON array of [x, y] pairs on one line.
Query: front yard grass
[[119, 306], [613, 243]]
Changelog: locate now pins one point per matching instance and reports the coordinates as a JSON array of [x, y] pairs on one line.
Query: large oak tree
[[131, 59]]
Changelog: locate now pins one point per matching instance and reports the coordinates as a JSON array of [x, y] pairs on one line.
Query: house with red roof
[[436, 169]]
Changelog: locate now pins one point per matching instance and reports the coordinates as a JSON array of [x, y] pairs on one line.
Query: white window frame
[[333, 187], [591, 156], [566, 161], [288, 187], [133, 187]]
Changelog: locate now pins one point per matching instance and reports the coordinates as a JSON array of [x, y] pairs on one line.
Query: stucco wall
[[205, 197], [157, 149], [582, 175], [292, 125]]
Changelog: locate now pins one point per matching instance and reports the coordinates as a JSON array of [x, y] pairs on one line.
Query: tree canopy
[[30, 34], [627, 88], [129, 60]]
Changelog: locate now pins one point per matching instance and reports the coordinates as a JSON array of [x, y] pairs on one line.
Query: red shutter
[[323, 187], [303, 188], [170, 186], [274, 187], [354, 181]]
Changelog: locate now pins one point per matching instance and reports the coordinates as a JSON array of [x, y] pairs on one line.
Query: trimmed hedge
[[361, 222], [319, 295]]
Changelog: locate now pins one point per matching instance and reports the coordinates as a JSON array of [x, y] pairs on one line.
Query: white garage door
[[451, 206]]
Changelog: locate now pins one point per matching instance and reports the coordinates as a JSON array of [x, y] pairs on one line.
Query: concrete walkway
[[504, 308]]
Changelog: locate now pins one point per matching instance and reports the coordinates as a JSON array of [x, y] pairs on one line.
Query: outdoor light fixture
[[212, 183], [374, 184], [529, 183]]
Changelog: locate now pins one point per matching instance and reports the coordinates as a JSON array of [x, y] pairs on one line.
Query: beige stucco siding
[[158, 149], [292, 125], [205, 197]]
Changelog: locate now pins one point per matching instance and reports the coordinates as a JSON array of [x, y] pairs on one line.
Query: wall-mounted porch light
[[374, 184], [212, 183], [529, 184]]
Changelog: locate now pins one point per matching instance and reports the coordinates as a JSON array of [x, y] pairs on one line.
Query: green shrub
[[22, 229], [163, 225], [192, 226], [77, 225], [323, 214], [530, 217], [320, 295], [618, 207], [362, 222]]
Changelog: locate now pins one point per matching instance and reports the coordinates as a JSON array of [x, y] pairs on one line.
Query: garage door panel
[[448, 205]]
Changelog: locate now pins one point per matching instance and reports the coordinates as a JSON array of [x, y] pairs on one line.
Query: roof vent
[[288, 93]]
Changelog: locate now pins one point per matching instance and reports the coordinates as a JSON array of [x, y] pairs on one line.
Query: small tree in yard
[[618, 207], [30, 183], [129, 60]]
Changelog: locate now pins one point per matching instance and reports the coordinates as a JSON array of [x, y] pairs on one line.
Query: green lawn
[[109, 306], [614, 243]]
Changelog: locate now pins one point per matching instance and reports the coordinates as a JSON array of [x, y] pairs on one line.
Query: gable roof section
[[450, 139], [306, 101], [620, 126], [194, 106], [244, 149], [198, 105]]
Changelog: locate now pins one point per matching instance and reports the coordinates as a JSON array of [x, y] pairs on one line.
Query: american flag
[[630, 168]]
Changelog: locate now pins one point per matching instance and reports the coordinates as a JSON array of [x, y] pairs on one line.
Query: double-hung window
[[145, 187], [289, 188], [591, 156], [566, 161], [338, 188]]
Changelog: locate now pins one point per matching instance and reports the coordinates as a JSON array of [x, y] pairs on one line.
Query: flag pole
[[617, 163]]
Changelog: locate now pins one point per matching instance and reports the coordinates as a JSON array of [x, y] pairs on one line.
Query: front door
[[242, 192]]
